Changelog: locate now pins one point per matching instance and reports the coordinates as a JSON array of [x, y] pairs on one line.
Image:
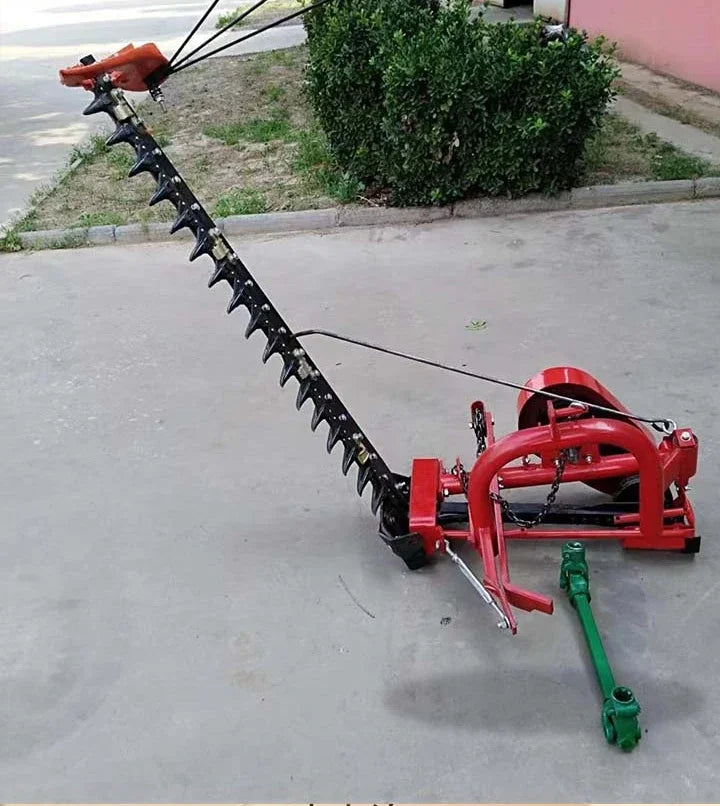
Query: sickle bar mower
[[570, 428]]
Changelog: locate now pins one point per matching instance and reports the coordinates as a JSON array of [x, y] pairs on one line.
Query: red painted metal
[[579, 385], [425, 494], [601, 451], [570, 381], [128, 69]]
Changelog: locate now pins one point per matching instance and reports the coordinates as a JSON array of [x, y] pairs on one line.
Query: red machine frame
[[604, 451]]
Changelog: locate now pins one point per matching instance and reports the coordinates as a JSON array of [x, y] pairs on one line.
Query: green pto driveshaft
[[620, 708]]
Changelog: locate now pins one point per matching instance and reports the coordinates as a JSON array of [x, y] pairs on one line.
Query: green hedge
[[420, 102]]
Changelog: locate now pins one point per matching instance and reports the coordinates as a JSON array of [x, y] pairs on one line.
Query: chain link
[[549, 501], [478, 426]]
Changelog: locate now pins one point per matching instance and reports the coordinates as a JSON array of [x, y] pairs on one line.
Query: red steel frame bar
[[674, 460]]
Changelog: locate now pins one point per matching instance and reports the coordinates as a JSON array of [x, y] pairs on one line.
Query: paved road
[[174, 627], [42, 120]]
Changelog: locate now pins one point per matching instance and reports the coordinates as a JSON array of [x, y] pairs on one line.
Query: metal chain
[[478, 426], [549, 501]]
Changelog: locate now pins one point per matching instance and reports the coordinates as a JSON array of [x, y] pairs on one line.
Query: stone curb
[[620, 194], [707, 187]]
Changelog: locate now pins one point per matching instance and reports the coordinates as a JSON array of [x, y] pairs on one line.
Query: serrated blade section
[[222, 272], [318, 415], [349, 454], [147, 163], [101, 103], [203, 246], [364, 474], [378, 494], [288, 371], [327, 407], [304, 392], [334, 436], [256, 319], [186, 218], [165, 191], [125, 133]]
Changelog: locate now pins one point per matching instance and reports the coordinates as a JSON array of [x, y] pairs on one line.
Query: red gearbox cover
[[128, 68]]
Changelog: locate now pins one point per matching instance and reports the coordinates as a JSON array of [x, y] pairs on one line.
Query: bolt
[[685, 436]]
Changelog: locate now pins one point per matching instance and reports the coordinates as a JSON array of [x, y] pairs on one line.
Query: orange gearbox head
[[128, 69]]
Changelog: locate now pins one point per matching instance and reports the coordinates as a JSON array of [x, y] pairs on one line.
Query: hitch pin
[[503, 624]]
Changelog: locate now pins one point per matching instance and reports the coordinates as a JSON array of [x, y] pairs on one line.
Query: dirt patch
[[225, 92]]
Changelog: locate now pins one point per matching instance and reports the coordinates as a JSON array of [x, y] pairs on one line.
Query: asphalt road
[[179, 551], [41, 119]]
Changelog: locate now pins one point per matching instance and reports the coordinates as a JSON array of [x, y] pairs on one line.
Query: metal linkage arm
[[620, 708]]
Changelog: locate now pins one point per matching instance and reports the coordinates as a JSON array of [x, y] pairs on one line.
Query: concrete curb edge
[[620, 194]]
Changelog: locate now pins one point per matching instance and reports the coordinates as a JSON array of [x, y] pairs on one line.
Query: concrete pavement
[[174, 622]]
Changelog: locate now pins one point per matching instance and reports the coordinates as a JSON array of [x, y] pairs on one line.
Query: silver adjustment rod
[[503, 624]]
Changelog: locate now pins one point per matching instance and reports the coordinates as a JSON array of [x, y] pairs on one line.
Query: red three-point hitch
[[646, 482]]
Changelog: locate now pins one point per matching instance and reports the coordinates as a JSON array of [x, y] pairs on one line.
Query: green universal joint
[[620, 708]]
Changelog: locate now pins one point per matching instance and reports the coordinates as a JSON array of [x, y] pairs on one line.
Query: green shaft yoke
[[620, 708]]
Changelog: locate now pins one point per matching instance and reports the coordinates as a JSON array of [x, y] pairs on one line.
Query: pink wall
[[678, 38]]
